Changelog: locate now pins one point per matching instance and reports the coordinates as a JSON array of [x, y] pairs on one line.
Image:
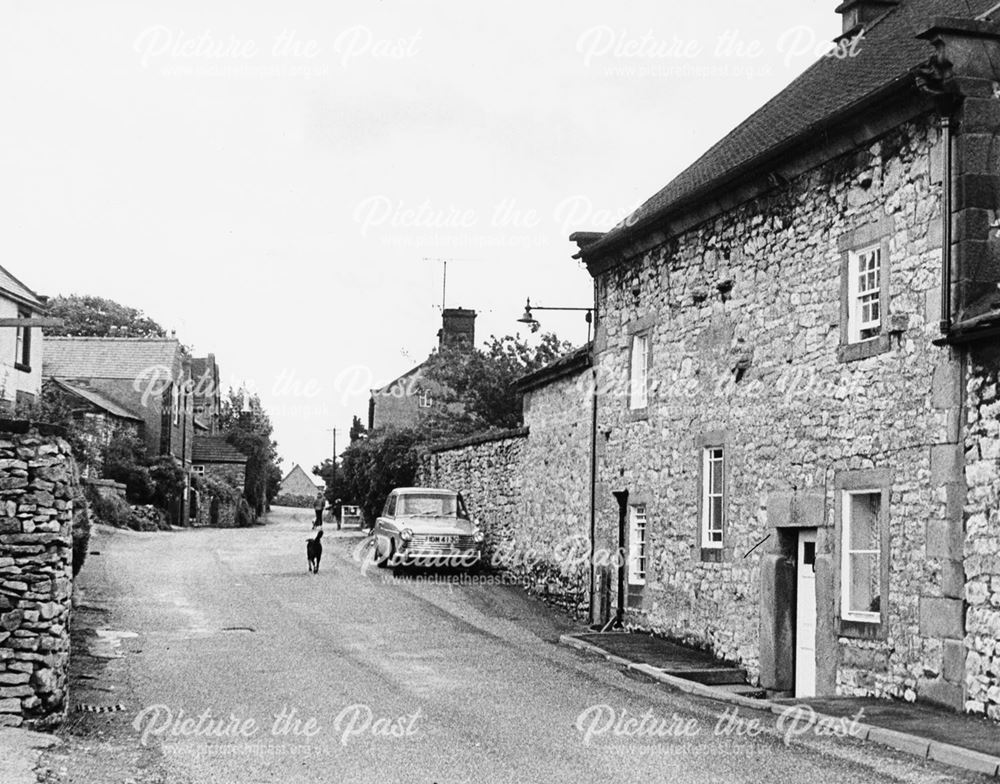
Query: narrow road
[[245, 668]]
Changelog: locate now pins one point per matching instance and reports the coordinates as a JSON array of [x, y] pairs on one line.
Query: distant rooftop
[[125, 358]]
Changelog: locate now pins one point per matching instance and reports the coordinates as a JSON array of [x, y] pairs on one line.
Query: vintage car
[[426, 527]]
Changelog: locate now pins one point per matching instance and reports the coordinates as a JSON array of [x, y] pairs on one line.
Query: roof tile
[[888, 53], [76, 357]]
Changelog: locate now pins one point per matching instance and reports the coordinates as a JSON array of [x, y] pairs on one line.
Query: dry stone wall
[[38, 485]]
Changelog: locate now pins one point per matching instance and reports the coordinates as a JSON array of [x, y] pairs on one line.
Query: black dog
[[314, 551]]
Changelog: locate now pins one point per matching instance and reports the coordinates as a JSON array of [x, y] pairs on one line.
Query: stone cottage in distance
[[404, 401], [796, 351], [147, 377]]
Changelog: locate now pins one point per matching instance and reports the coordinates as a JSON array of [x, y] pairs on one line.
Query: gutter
[[971, 330], [946, 258]]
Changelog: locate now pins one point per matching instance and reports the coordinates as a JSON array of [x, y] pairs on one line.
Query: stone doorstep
[[905, 742]]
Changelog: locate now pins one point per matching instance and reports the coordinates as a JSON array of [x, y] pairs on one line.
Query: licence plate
[[443, 539]]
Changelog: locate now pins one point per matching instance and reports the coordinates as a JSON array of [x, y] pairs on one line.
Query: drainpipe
[[593, 462], [946, 199]]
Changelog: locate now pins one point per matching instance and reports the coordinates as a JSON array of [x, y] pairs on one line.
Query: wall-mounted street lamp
[[531, 321], [528, 318]]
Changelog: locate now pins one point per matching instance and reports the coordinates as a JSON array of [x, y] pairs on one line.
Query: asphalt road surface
[[213, 656]]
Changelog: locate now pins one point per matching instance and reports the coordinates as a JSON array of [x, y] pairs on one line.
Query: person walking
[[319, 505]]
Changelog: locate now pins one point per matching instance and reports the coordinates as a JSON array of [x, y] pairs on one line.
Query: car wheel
[[380, 562]]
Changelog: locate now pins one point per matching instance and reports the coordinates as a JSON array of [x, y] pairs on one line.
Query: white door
[[805, 616]]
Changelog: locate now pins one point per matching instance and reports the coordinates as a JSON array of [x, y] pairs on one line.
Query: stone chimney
[[860, 13], [458, 328]]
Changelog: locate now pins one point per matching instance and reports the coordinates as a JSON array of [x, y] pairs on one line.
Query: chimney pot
[[857, 14]]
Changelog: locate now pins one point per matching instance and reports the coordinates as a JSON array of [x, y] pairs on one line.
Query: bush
[[124, 462], [114, 511], [168, 482], [375, 466], [149, 518], [300, 501], [216, 488], [244, 514]]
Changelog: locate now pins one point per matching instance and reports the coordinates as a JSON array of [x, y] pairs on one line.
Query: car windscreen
[[429, 506]]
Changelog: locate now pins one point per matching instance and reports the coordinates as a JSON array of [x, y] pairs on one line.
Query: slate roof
[[573, 362], [888, 55], [126, 358], [96, 398], [298, 482], [215, 449], [12, 286], [387, 389]]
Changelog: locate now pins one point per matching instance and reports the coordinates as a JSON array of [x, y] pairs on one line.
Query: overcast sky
[[268, 179]]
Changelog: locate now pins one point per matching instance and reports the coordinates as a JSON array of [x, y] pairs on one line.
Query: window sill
[[711, 555], [861, 630], [851, 352], [22, 367], [638, 414]]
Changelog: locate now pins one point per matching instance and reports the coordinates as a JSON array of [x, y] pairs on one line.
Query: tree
[[248, 428], [476, 389], [89, 316], [372, 467]]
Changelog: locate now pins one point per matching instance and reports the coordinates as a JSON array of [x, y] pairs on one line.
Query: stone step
[[713, 676], [744, 690]]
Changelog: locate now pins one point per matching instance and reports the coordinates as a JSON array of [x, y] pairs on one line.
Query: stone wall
[[982, 538], [553, 533], [487, 471], [38, 482], [530, 489], [744, 315]]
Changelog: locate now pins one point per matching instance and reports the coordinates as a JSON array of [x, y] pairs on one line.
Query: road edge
[[914, 745]]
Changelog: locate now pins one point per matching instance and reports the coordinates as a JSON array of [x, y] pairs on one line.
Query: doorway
[[805, 614]]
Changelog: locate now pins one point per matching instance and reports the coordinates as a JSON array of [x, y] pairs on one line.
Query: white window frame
[[638, 397], [709, 492], [198, 469], [424, 399], [859, 296], [637, 544], [846, 613], [175, 402]]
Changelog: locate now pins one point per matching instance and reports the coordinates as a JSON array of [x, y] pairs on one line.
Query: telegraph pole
[[333, 471]]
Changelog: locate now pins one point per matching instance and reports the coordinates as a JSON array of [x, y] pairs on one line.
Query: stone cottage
[[798, 428], [104, 419], [297, 489], [213, 458], [403, 402], [147, 376]]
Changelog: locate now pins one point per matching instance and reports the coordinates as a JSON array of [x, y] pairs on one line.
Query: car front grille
[[424, 543]]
